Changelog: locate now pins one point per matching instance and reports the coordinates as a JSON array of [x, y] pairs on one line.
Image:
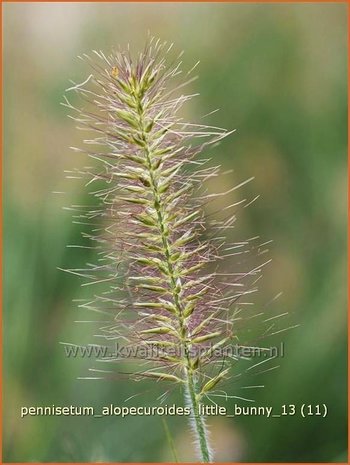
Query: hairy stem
[[175, 290], [198, 421]]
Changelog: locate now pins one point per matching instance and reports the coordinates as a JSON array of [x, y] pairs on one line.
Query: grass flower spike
[[161, 254]]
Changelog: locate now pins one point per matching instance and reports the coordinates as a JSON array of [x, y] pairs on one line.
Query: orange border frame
[[346, 2]]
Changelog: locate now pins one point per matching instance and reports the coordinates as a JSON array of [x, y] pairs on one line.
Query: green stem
[[199, 425], [198, 421]]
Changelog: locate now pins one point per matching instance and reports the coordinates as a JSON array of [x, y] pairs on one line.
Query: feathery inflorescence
[[160, 253]]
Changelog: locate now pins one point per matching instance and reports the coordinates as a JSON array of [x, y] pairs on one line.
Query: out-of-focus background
[[278, 74]]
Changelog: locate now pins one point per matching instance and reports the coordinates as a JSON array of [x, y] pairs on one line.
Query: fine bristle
[[161, 250]]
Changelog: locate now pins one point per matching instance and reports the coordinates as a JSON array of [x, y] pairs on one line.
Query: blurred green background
[[278, 74]]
